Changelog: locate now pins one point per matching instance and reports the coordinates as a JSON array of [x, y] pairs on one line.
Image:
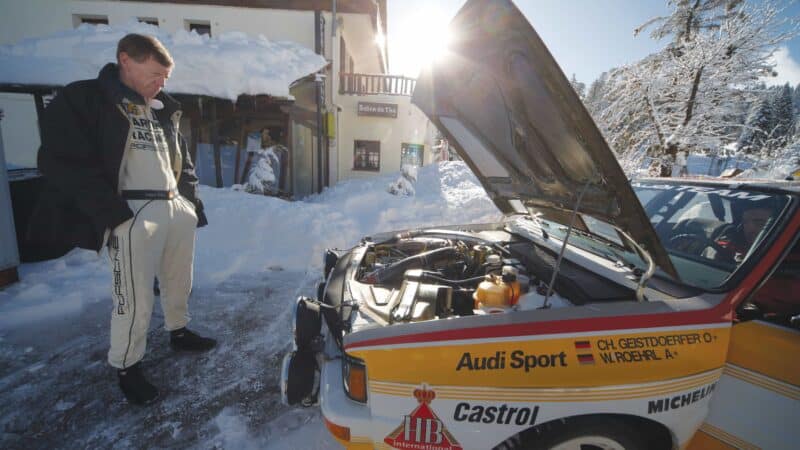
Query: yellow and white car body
[[758, 400], [599, 312]]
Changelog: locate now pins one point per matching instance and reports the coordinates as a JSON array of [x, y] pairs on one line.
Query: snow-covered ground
[[256, 256]]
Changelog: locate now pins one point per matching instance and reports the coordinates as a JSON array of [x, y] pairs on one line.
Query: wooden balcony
[[369, 84]]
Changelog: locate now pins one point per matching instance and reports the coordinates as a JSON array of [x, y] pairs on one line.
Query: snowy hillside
[[255, 257]]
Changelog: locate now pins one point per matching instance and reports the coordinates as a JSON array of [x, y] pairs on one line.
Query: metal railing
[[369, 84]]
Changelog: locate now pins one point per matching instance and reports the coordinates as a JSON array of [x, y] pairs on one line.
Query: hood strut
[[651, 265], [564, 245]]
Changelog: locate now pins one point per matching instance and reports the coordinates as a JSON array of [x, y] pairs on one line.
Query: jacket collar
[[115, 90]]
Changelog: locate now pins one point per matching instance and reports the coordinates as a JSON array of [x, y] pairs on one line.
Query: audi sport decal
[[517, 359], [561, 361], [422, 429]]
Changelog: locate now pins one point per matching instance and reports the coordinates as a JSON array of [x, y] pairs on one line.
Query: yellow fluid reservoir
[[492, 292]]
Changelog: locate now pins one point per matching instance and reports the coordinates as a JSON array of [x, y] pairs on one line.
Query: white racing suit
[[157, 242]]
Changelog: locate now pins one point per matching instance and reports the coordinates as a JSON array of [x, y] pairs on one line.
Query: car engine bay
[[437, 274]]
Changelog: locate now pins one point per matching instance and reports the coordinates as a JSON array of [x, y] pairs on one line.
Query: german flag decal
[[584, 358], [583, 345]]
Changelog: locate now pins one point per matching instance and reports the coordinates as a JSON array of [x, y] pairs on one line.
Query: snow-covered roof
[[223, 66]]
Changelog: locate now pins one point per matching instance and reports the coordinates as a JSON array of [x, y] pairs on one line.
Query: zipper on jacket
[[126, 148]]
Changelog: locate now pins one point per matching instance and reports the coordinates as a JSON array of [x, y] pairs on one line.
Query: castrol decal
[[422, 429]]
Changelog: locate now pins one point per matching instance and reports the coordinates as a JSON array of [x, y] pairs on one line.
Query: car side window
[[777, 300]]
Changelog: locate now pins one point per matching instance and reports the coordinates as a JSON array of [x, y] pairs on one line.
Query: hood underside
[[502, 101]]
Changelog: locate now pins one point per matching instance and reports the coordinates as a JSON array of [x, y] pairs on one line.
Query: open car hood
[[502, 101]]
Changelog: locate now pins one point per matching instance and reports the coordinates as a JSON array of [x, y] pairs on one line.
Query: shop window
[[411, 154], [367, 155], [149, 20], [92, 19], [199, 26]]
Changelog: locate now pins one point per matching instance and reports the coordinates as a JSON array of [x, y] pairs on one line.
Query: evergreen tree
[[759, 127], [580, 88], [796, 100], [783, 116], [594, 99]]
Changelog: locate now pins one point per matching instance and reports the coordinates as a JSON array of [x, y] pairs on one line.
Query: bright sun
[[419, 40]]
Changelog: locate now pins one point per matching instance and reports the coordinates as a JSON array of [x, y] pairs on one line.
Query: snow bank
[[224, 66], [251, 234]]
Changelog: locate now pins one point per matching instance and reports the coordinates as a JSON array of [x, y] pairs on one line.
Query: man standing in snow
[[117, 174]]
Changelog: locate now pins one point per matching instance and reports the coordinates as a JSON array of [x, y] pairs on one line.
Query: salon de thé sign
[[377, 109]]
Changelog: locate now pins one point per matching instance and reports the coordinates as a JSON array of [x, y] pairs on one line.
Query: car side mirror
[[749, 311], [794, 322]]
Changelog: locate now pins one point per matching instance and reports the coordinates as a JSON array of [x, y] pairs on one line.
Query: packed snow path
[[255, 258]]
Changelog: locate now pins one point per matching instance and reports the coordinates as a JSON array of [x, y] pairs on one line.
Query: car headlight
[[354, 373]]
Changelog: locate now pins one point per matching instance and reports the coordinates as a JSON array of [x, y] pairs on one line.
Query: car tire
[[587, 434]]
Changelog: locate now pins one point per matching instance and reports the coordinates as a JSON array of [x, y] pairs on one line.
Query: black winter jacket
[[84, 133]]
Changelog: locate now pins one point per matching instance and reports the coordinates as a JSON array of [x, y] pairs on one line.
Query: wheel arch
[[658, 435]]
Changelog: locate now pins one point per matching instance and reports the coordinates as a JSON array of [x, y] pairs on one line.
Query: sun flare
[[419, 41]]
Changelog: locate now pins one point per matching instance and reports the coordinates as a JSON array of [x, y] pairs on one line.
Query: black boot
[[135, 386], [183, 339]]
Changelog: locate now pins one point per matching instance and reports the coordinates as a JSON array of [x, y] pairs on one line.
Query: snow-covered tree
[[580, 88], [689, 18], [596, 89], [687, 96], [759, 128], [783, 113], [796, 100]]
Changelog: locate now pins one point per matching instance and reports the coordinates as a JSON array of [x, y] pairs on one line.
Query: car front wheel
[[589, 434]]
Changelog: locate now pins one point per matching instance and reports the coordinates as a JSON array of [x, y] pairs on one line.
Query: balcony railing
[[369, 84]]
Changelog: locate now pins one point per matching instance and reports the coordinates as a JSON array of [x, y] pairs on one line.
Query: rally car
[[599, 313]]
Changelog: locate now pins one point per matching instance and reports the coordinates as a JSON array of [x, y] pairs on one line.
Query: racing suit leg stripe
[[133, 287]]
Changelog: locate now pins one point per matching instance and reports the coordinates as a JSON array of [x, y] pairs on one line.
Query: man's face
[[146, 78], [753, 221]]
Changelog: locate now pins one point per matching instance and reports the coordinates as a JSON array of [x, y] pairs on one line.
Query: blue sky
[[586, 37]]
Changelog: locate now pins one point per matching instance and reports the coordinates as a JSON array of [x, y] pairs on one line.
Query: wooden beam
[[242, 146], [215, 143], [288, 181]]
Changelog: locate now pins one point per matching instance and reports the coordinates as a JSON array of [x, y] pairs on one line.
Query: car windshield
[[709, 231]]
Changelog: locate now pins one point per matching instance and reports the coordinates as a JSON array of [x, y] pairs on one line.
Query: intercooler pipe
[[396, 271]]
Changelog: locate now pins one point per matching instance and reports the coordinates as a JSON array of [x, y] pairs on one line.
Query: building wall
[[411, 126], [30, 18]]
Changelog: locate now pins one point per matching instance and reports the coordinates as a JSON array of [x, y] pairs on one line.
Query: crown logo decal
[[424, 395]]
